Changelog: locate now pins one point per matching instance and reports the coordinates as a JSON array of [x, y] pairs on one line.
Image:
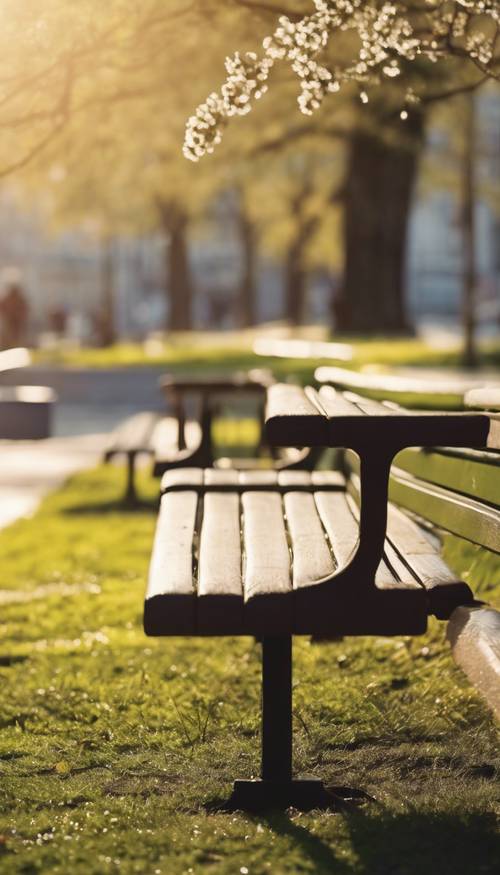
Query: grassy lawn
[[113, 746], [223, 353], [233, 349]]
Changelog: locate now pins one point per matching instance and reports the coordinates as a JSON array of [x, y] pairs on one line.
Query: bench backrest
[[455, 490]]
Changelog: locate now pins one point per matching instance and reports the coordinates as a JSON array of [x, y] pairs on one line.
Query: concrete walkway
[[31, 469]]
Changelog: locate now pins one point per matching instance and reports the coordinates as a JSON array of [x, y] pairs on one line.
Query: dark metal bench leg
[[277, 709], [130, 498], [277, 788]]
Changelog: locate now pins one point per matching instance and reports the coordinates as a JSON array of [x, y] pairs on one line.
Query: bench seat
[[256, 552]]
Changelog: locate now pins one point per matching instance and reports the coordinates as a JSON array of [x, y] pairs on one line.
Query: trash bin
[[26, 412]]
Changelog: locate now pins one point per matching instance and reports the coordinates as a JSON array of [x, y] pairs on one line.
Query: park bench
[[276, 554], [185, 439], [153, 434], [388, 385]]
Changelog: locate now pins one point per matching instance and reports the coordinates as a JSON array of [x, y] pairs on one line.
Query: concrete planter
[[26, 412]]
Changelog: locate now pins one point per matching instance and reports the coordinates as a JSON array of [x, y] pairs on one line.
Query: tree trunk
[[469, 237], [248, 285], [106, 315], [179, 286], [378, 190], [295, 281]]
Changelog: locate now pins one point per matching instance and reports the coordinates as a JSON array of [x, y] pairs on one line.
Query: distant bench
[[385, 385], [185, 438], [150, 433], [277, 554]]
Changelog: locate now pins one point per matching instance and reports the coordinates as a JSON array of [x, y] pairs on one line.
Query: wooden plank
[[486, 398], [472, 473], [165, 437], [494, 433], [341, 527], [267, 582], [393, 383], [455, 513], [336, 404], [292, 419], [444, 588], [331, 479], [220, 590], [133, 434], [312, 557], [182, 477], [370, 407], [170, 596]]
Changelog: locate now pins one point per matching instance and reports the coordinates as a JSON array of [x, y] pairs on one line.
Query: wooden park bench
[[150, 433], [276, 554], [386, 386], [185, 439]]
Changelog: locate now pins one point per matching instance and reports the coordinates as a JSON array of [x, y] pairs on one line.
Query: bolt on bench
[[277, 554]]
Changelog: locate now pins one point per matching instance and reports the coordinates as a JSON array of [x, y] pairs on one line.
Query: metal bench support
[[130, 499], [276, 788], [277, 709]]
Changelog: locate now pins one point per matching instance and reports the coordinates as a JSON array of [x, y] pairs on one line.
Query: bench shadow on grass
[[412, 843]]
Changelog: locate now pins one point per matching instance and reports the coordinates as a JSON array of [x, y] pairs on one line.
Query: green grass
[[229, 350], [113, 746], [223, 353]]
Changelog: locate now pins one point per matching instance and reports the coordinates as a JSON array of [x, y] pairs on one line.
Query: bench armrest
[[304, 417]]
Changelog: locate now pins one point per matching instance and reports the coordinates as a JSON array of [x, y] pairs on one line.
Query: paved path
[[31, 469]]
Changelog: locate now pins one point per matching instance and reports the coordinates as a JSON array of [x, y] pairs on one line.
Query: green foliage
[[111, 744]]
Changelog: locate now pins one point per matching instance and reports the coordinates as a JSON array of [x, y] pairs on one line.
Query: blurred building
[[72, 272]]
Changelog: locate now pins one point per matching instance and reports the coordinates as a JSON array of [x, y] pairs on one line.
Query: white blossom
[[387, 37]]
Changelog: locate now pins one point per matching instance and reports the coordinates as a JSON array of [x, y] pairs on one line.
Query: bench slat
[[458, 514], [443, 586], [220, 590], [133, 435], [336, 404], [469, 472], [312, 558], [165, 437], [339, 523], [266, 565], [171, 595], [370, 407]]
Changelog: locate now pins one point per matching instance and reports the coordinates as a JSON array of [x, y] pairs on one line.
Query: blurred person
[[58, 320], [14, 313]]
